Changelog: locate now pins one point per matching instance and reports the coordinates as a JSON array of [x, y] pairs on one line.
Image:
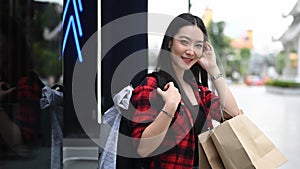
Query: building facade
[[291, 43]]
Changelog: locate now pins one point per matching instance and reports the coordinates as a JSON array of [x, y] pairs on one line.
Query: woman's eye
[[184, 42], [199, 46]]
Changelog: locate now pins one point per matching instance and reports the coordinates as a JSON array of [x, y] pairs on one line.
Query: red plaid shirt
[[29, 95], [178, 148]]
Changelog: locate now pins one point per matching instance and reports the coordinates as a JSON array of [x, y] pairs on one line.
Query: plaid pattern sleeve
[[141, 98]]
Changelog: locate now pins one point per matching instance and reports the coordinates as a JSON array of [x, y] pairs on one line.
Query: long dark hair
[[164, 61]]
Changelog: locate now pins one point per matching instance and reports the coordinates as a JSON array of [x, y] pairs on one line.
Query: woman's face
[[186, 47]]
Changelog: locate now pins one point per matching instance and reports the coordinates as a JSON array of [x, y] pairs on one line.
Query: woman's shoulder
[[148, 82], [154, 79], [145, 90]]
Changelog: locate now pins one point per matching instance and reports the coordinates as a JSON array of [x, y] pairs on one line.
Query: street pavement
[[277, 115]]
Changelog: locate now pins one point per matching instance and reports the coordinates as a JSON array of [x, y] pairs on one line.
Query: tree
[[45, 53], [280, 61], [220, 41], [245, 54]]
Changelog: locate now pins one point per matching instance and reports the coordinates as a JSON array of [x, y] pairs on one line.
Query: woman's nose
[[190, 51]]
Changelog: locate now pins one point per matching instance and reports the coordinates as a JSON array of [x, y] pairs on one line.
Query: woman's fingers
[[5, 89], [166, 86], [10, 90], [208, 46], [170, 93], [159, 91]]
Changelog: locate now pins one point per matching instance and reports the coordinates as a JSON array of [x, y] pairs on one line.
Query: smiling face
[[186, 47]]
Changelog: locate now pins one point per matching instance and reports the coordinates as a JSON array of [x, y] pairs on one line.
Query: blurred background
[[255, 40], [257, 44]]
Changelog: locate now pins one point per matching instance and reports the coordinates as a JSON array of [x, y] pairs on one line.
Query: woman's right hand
[[154, 133], [170, 94], [5, 90]]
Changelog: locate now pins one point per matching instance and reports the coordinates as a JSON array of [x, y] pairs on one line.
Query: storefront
[[58, 45], [29, 62]]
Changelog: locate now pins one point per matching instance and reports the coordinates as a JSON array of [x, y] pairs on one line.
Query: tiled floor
[[277, 115]]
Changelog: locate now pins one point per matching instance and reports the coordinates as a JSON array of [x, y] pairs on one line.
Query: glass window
[[30, 35]]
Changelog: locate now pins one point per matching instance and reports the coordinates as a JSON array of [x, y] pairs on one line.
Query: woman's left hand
[[208, 58]]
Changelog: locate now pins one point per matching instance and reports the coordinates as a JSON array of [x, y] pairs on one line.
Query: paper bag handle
[[224, 110]]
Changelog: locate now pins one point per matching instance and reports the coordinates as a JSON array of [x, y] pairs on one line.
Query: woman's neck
[[179, 74]]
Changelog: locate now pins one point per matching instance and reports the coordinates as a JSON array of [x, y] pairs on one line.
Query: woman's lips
[[187, 60]]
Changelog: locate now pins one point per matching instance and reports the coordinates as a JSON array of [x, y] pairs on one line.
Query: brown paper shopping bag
[[209, 157], [203, 161], [241, 145]]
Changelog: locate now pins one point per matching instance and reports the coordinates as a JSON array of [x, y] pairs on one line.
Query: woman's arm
[[227, 100], [9, 130], [154, 134], [225, 95]]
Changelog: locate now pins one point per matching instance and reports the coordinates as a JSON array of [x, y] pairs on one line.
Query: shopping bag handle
[[226, 111]]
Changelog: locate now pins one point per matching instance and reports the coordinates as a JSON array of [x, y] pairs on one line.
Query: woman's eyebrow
[[186, 37]]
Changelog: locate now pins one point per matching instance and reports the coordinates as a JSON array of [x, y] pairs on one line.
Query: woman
[[167, 121]]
